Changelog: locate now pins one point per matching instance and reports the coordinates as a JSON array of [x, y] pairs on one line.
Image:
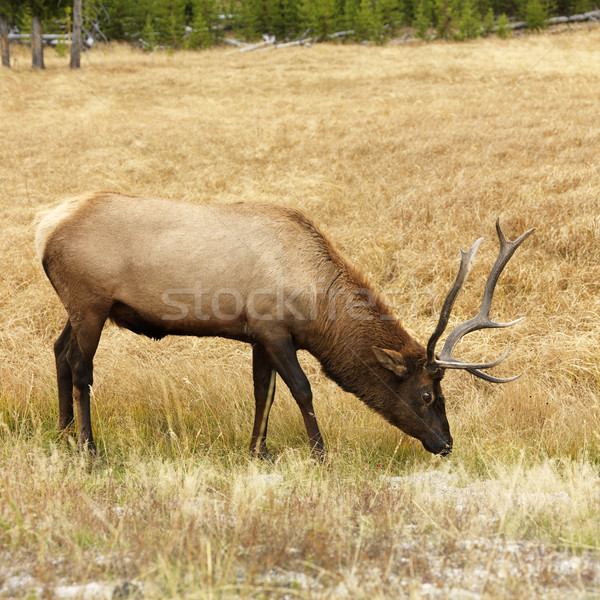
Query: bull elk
[[257, 273]]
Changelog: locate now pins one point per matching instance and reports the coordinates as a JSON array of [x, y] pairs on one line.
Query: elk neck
[[351, 320]]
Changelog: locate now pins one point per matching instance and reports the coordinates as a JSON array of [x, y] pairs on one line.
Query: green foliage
[[203, 34], [367, 25], [581, 6], [469, 22], [66, 22], [444, 17], [351, 8], [201, 23], [503, 29], [422, 21], [43, 8], [149, 36], [61, 46], [319, 16], [289, 18], [5, 8], [247, 19], [24, 18], [277, 17], [536, 15], [169, 21], [370, 18], [488, 21], [389, 12]]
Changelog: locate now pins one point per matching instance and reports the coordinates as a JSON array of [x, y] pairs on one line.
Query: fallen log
[[340, 34], [303, 42], [593, 15], [49, 39], [234, 42], [267, 40]]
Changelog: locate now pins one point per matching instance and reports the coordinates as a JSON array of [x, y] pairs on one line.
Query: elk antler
[[481, 321]]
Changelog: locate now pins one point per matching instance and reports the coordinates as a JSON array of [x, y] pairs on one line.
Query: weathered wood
[[234, 42], [4, 41], [250, 47], [304, 42], [76, 38], [37, 43], [269, 43], [52, 39], [517, 25], [340, 34], [593, 15]]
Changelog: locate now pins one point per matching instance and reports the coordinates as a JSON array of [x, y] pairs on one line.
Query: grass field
[[402, 154]]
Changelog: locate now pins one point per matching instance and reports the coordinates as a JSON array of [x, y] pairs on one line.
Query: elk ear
[[391, 360]]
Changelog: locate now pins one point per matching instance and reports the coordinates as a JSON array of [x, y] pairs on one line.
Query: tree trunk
[[4, 41], [37, 44], [76, 38]]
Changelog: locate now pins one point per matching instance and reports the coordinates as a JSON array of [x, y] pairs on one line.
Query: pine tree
[[9, 10], [202, 34], [248, 17], [37, 42], [39, 10], [289, 18], [581, 6], [488, 21], [444, 17], [536, 15], [469, 22], [503, 29], [170, 21], [351, 9], [389, 13], [319, 16], [149, 37], [76, 36], [272, 21], [364, 25], [422, 21], [4, 36]]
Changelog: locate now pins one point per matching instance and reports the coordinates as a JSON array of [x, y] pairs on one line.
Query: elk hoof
[[88, 447], [320, 455], [262, 454]]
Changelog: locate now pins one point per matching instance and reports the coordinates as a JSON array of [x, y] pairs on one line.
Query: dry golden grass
[[401, 154]]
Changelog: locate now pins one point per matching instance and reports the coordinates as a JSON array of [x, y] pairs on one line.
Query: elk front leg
[[282, 353], [263, 375]]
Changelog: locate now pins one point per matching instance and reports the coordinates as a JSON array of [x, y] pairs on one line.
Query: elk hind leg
[[84, 342], [64, 377]]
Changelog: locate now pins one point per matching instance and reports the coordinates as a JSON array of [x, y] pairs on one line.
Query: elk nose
[[446, 450]]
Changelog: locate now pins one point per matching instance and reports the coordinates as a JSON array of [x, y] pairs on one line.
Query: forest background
[[204, 23]]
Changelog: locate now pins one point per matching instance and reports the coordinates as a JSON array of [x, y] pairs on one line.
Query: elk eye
[[426, 397]]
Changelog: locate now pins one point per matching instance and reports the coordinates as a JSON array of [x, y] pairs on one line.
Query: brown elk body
[[256, 273]]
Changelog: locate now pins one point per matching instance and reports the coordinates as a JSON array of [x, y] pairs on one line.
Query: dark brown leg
[[282, 354], [84, 341], [65, 379], [264, 392]]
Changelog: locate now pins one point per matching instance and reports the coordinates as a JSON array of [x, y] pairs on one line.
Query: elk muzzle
[[438, 444]]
